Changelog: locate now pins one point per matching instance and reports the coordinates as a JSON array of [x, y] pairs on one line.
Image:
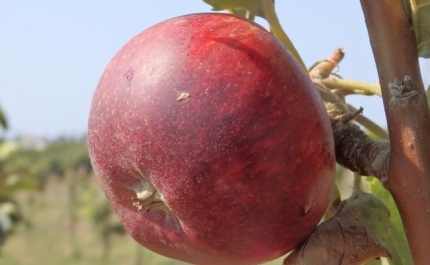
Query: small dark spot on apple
[[129, 75]]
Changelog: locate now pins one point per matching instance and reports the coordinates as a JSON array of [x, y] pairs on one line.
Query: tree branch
[[352, 85], [395, 51], [354, 149]]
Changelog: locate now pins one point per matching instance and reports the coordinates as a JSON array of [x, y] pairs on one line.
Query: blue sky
[[52, 53]]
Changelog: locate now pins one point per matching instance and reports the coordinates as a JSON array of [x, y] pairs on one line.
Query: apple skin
[[210, 142]]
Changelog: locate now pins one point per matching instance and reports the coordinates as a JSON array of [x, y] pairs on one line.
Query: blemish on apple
[[129, 76], [182, 96]]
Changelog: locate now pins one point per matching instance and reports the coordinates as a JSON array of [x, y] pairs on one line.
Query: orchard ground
[[47, 240]]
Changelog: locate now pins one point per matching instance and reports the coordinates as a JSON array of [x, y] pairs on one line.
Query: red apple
[[210, 142]]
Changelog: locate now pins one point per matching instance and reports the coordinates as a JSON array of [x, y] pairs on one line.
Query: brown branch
[[394, 48], [354, 149]]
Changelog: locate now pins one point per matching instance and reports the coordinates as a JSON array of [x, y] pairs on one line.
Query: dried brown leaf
[[341, 240]]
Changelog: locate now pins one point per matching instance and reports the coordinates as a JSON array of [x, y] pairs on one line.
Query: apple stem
[[277, 30]]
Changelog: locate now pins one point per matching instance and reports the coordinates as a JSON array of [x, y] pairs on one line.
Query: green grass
[[48, 242]]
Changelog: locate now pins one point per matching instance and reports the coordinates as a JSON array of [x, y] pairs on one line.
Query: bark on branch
[[354, 149], [402, 164], [395, 51]]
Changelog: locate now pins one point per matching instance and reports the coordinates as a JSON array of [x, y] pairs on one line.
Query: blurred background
[[52, 54]]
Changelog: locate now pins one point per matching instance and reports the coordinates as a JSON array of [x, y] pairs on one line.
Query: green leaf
[[396, 242], [264, 9], [253, 6], [419, 13], [372, 213], [242, 13]]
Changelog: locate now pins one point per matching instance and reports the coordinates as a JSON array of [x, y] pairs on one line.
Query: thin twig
[[324, 68], [353, 85], [370, 125]]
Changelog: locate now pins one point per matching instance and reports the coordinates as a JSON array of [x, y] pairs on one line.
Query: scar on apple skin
[[307, 207], [182, 96]]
